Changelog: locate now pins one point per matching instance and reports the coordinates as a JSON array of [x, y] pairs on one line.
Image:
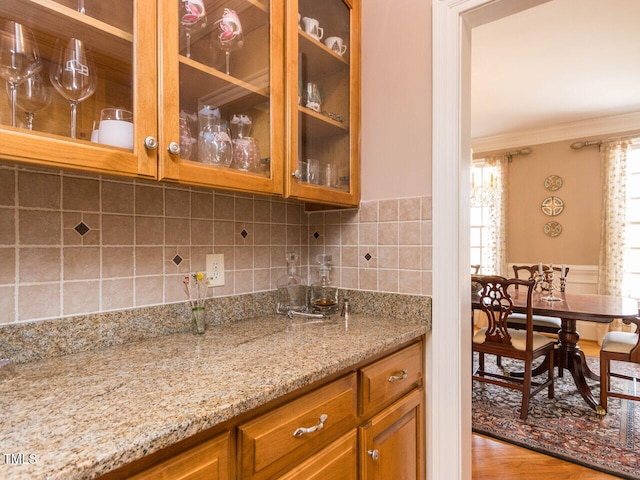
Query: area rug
[[564, 427]]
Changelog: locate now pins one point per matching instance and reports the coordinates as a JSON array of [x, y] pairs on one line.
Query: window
[[632, 269], [485, 216]]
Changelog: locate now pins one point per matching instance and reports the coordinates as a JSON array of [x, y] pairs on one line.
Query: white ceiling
[[563, 63]]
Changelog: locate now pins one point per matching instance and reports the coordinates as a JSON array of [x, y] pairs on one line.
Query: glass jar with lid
[[324, 294], [291, 288]]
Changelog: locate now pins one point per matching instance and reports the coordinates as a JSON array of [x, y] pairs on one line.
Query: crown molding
[[615, 124]]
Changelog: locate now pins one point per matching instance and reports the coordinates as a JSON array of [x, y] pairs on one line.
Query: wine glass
[[19, 58], [33, 96], [81, 6], [230, 34], [73, 74], [192, 12]]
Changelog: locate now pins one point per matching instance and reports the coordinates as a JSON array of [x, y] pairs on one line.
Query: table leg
[[575, 361]]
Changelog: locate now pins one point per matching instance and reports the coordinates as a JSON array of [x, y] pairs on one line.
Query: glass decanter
[[324, 294], [291, 288]]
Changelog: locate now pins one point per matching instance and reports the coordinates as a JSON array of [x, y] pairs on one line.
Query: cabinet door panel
[[393, 441]]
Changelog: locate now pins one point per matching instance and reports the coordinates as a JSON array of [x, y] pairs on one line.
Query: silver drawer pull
[[302, 430], [398, 376], [374, 454]]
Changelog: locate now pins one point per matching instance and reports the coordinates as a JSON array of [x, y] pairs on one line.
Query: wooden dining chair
[[622, 347], [497, 339]]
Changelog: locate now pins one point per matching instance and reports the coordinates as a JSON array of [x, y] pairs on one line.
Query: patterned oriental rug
[[564, 427]]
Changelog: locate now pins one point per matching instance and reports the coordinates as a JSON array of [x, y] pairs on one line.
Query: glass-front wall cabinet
[[222, 84], [79, 84], [323, 97]]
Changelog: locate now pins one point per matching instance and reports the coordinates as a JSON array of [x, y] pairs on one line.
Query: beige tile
[[39, 227], [388, 211], [39, 264], [262, 210], [117, 293], [7, 187], [244, 258], [349, 277], [245, 238], [117, 197], [332, 235], [368, 234], [223, 232], [229, 257], [149, 260], [294, 213], [427, 257], [177, 231], [81, 263], [41, 190], [38, 301], [410, 209], [388, 233], [277, 256], [278, 212], [71, 236], [170, 266], [198, 257], [117, 230], [149, 200], [332, 218], [177, 203], [244, 209], [202, 205], [7, 226], [149, 230], [410, 282], [7, 304], [427, 238], [201, 232], [427, 283], [224, 207], [228, 288], [426, 208], [349, 234], [371, 250], [262, 257], [243, 281], [174, 289], [261, 280], [148, 290], [278, 234], [262, 234], [351, 216], [8, 262], [117, 262], [368, 278], [388, 257], [80, 194], [80, 297], [369, 211], [388, 280], [410, 257], [349, 256], [410, 233]]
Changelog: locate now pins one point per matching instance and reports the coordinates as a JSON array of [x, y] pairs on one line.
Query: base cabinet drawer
[[272, 443], [390, 378], [338, 461], [207, 461]]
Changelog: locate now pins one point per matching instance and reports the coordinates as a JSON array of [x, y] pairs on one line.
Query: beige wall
[[581, 192]]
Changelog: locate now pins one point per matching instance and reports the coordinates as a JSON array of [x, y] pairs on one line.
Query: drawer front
[[207, 461], [388, 379], [274, 442]]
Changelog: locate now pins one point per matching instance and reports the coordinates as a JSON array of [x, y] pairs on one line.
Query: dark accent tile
[[82, 229]]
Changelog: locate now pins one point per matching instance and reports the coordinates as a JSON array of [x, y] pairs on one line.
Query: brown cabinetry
[[239, 61]]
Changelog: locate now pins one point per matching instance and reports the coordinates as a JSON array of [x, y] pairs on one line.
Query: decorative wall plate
[[552, 206], [552, 229], [553, 182]]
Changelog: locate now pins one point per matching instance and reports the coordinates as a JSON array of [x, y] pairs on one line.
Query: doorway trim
[[449, 409]]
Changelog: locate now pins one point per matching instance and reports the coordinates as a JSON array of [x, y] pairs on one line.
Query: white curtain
[[498, 212], [613, 245]]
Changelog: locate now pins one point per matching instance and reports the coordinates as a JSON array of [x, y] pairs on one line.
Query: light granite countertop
[[81, 415]]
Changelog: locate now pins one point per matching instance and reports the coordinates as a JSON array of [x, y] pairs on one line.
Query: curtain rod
[[589, 143]]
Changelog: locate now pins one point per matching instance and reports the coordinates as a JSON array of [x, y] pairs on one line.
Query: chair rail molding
[[449, 350]]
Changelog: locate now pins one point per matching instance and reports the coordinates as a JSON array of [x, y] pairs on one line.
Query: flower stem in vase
[[198, 319]]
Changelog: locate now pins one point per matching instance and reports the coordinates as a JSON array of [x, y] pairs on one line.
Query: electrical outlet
[[215, 269]]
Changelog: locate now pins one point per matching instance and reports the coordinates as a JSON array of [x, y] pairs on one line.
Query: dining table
[[569, 308]]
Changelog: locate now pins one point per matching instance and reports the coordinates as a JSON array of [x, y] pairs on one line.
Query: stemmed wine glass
[[73, 74], [230, 34], [192, 12], [19, 58], [33, 96]]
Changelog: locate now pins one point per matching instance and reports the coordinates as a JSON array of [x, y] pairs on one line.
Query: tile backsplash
[[73, 244]]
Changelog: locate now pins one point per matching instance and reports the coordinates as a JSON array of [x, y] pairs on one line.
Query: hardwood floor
[[497, 460]]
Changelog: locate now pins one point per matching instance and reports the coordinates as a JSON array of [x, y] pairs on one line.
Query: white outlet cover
[[215, 269]]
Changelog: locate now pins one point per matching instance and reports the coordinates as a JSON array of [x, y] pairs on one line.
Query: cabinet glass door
[[78, 104], [221, 93], [323, 99]]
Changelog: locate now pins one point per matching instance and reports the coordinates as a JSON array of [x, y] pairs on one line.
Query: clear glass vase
[[198, 320]]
